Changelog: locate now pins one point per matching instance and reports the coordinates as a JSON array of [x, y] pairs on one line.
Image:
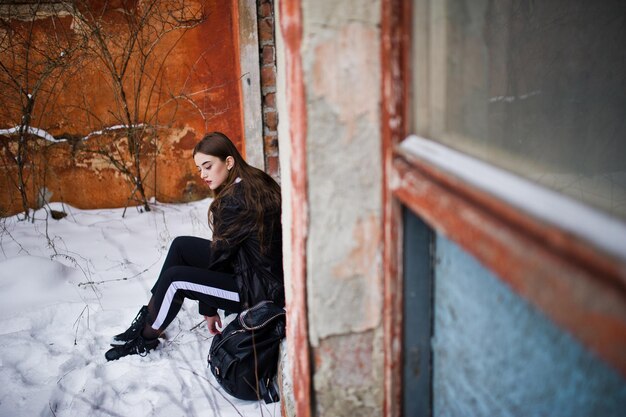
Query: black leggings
[[185, 274]]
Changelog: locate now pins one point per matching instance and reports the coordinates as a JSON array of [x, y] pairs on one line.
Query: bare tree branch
[[31, 63], [127, 51]]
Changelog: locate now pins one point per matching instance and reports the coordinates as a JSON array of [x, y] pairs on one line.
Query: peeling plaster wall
[[340, 56], [340, 53], [340, 60], [285, 156], [285, 375], [202, 65]]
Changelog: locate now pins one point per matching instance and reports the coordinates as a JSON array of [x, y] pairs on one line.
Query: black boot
[[134, 330], [138, 346]]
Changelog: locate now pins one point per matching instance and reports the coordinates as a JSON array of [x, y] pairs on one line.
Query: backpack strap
[[260, 315], [269, 391]]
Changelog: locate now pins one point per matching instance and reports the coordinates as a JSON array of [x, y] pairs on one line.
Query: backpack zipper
[[256, 307], [246, 327], [228, 336]]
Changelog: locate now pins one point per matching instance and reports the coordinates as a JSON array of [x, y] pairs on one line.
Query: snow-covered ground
[[67, 286]]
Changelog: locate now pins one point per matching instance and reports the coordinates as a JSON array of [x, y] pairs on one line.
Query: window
[[504, 137], [534, 87]]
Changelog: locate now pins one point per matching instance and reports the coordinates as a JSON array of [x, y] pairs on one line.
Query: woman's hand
[[214, 323]]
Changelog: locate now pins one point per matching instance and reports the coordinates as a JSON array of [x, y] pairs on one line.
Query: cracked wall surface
[[340, 57], [200, 68]]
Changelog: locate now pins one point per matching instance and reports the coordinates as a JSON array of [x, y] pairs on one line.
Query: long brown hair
[[261, 193]]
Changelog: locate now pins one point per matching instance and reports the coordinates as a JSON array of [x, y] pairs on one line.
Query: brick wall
[[267, 53]]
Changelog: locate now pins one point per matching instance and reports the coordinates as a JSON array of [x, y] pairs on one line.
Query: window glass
[[535, 87]]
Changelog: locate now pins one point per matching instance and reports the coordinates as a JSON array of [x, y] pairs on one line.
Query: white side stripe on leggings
[[190, 286]]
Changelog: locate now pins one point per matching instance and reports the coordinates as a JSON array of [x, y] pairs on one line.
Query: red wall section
[[201, 66]]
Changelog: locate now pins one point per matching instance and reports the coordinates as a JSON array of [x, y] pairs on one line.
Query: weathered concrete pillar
[[328, 96]]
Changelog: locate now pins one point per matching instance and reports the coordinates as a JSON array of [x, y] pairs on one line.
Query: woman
[[240, 267]]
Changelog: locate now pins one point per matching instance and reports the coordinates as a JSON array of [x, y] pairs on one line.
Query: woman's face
[[213, 170]]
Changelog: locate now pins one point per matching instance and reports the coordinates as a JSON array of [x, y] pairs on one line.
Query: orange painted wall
[[203, 65]]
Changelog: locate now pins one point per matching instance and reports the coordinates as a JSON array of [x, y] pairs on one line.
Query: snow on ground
[[67, 286]]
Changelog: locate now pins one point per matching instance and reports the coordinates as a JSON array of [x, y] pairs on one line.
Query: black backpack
[[244, 357]]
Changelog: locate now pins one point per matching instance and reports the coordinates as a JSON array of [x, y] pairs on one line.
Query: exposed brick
[[269, 100], [271, 144], [268, 77], [271, 120], [273, 166], [265, 14], [267, 54], [266, 30], [265, 9], [265, 90]]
